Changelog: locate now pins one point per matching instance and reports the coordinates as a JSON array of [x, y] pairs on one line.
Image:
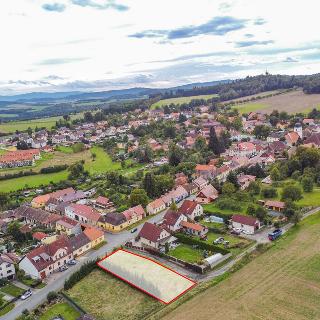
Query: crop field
[[180, 100], [152, 278], [12, 126], [282, 283], [107, 297], [291, 102]]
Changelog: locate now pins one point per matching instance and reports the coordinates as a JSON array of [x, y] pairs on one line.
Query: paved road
[[56, 281]]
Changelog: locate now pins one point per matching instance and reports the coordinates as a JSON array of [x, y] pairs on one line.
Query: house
[[207, 194], [246, 223], [180, 179], [113, 222], [153, 236], [7, 269], [244, 180], [179, 194], [313, 140], [134, 214], [95, 236], [103, 203], [40, 201], [275, 205], [46, 259], [20, 158], [205, 171], [68, 226], [191, 209], [39, 236], [191, 188], [155, 206], [80, 244], [194, 228], [292, 138], [200, 182], [82, 213], [172, 220]]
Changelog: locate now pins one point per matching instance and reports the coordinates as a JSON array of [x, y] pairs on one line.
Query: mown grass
[[180, 100], [187, 253], [62, 309], [106, 297], [12, 290], [249, 107]]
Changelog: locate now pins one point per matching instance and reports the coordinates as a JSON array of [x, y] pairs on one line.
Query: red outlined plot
[[147, 275]]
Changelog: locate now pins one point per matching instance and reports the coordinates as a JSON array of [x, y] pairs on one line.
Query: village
[[195, 204]]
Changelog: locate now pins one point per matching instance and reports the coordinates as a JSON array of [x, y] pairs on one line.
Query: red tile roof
[[150, 232], [249, 221], [187, 207]]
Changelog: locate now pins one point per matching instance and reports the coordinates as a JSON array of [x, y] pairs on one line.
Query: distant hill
[[131, 93]]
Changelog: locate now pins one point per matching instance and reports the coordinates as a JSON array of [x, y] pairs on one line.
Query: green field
[[187, 253], [63, 309], [102, 163], [180, 100], [249, 107], [107, 297], [282, 283], [12, 126]]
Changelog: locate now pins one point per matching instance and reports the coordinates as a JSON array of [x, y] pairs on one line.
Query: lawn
[[212, 208], [32, 181], [63, 309], [64, 149], [12, 290], [7, 309], [106, 297], [180, 100], [102, 163], [187, 253], [283, 283]]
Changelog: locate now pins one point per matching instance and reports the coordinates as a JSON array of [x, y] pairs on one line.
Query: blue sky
[[65, 45]]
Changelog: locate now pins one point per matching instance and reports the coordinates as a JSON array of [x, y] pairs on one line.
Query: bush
[[54, 169], [269, 193], [80, 274], [51, 296], [228, 204]]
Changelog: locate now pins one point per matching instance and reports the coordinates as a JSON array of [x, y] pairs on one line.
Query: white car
[[246, 232], [26, 295]]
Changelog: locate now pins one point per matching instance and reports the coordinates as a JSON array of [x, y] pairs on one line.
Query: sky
[[95, 45]]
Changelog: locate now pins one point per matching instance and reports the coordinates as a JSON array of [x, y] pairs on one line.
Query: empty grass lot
[[106, 297], [283, 283], [180, 100], [63, 309]]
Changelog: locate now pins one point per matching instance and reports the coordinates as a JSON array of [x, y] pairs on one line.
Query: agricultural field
[[291, 102], [107, 297], [12, 126], [180, 100], [282, 283], [149, 276]]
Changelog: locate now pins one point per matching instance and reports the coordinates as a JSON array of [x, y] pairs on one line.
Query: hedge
[[202, 245], [53, 169], [80, 274]]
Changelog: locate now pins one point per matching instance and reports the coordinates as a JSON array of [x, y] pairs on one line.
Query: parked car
[[63, 268], [218, 240], [72, 262], [246, 232], [275, 234], [236, 231], [134, 230], [26, 295]]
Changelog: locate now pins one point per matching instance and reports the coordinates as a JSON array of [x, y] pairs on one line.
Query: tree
[[292, 193], [149, 184], [307, 183], [275, 174], [175, 155], [269, 193], [251, 209], [261, 131], [173, 206], [261, 213], [51, 296], [138, 196], [232, 177], [88, 117], [254, 187], [66, 117], [215, 145], [22, 145], [228, 188], [14, 231], [4, 199], [200, 144], [296, 218], [77, 170]]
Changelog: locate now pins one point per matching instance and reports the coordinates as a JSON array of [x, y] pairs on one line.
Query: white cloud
[[89, 45]]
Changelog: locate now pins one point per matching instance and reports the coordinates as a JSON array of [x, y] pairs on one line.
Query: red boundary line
[[156, 262]]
